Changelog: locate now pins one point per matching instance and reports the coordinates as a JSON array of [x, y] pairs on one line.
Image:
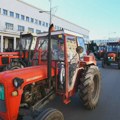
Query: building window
[[22, 17], [46, 24], [17, 16], [36, 21], [32, 20], [38, 31], [9, 26], [31, 30], [39, 22], [43, 24], [0, 10], [27, 19], [5, 12], [11, 14], [21, 28]]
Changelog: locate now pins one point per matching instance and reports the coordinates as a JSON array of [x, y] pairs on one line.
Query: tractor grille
[[5, 60], [111, 59]]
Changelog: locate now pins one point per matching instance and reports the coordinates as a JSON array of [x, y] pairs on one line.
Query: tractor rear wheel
[[50, 114], [13, 65], [108, 63], [90, 87]]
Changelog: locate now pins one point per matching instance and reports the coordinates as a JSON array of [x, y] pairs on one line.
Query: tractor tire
[[27, 118], [108, 63], [90, 84], [103, 64], [119, 65], [13, 65], [50, 114]]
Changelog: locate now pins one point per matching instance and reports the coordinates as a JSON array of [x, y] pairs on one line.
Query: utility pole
[[50, 11]]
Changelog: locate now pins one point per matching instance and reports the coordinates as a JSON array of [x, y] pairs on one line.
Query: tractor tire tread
[[85, 86], [49, 114]]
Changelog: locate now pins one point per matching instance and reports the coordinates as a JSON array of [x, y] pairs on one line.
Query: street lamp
[[50, 11]]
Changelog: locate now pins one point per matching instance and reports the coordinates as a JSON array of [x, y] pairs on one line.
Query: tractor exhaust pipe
[[21, 49], [49, 56]]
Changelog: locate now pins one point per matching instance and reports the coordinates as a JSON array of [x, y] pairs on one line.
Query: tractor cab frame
[[64, 58]]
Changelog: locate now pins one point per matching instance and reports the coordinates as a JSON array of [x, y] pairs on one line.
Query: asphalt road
[[108, 107]]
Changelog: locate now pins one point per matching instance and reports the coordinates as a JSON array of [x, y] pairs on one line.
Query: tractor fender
[[89, 60], [79, 72], [75, 82]]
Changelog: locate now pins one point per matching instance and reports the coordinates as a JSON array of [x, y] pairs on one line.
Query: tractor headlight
[[17, 82]]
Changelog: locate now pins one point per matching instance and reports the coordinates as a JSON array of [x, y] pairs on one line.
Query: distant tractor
[[58, 70], [112, 54], [21, 57], [92, 48], [101, 51]]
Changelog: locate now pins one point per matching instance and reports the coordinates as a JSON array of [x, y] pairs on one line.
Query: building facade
[[105, 41], [19, 17]]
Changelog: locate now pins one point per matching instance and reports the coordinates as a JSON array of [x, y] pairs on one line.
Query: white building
[[17, 16], [105, 41]]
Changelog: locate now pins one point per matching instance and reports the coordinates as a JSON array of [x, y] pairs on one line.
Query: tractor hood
[[29, 75], [112, 54], [10, 103]]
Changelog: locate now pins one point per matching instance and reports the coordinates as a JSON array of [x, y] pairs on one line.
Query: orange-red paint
[[112, 55], [30, 75], [34, 74]]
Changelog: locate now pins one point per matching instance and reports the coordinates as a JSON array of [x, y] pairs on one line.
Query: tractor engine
[[32, 94]]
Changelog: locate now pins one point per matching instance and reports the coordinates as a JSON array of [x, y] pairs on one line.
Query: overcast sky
[[100, 17]]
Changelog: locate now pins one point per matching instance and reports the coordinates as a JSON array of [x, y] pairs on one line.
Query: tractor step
[[67, 101]]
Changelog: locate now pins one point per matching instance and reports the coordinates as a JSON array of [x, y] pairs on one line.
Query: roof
[[61, 32]]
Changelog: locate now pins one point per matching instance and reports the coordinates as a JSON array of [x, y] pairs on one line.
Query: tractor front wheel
[[90, 87], [50, 114], [118, 64], [13, 65], [103, 63]]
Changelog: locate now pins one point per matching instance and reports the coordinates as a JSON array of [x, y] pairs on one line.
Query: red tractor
[[21, 57], [58, 70], [112, 55], [101, 51]]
